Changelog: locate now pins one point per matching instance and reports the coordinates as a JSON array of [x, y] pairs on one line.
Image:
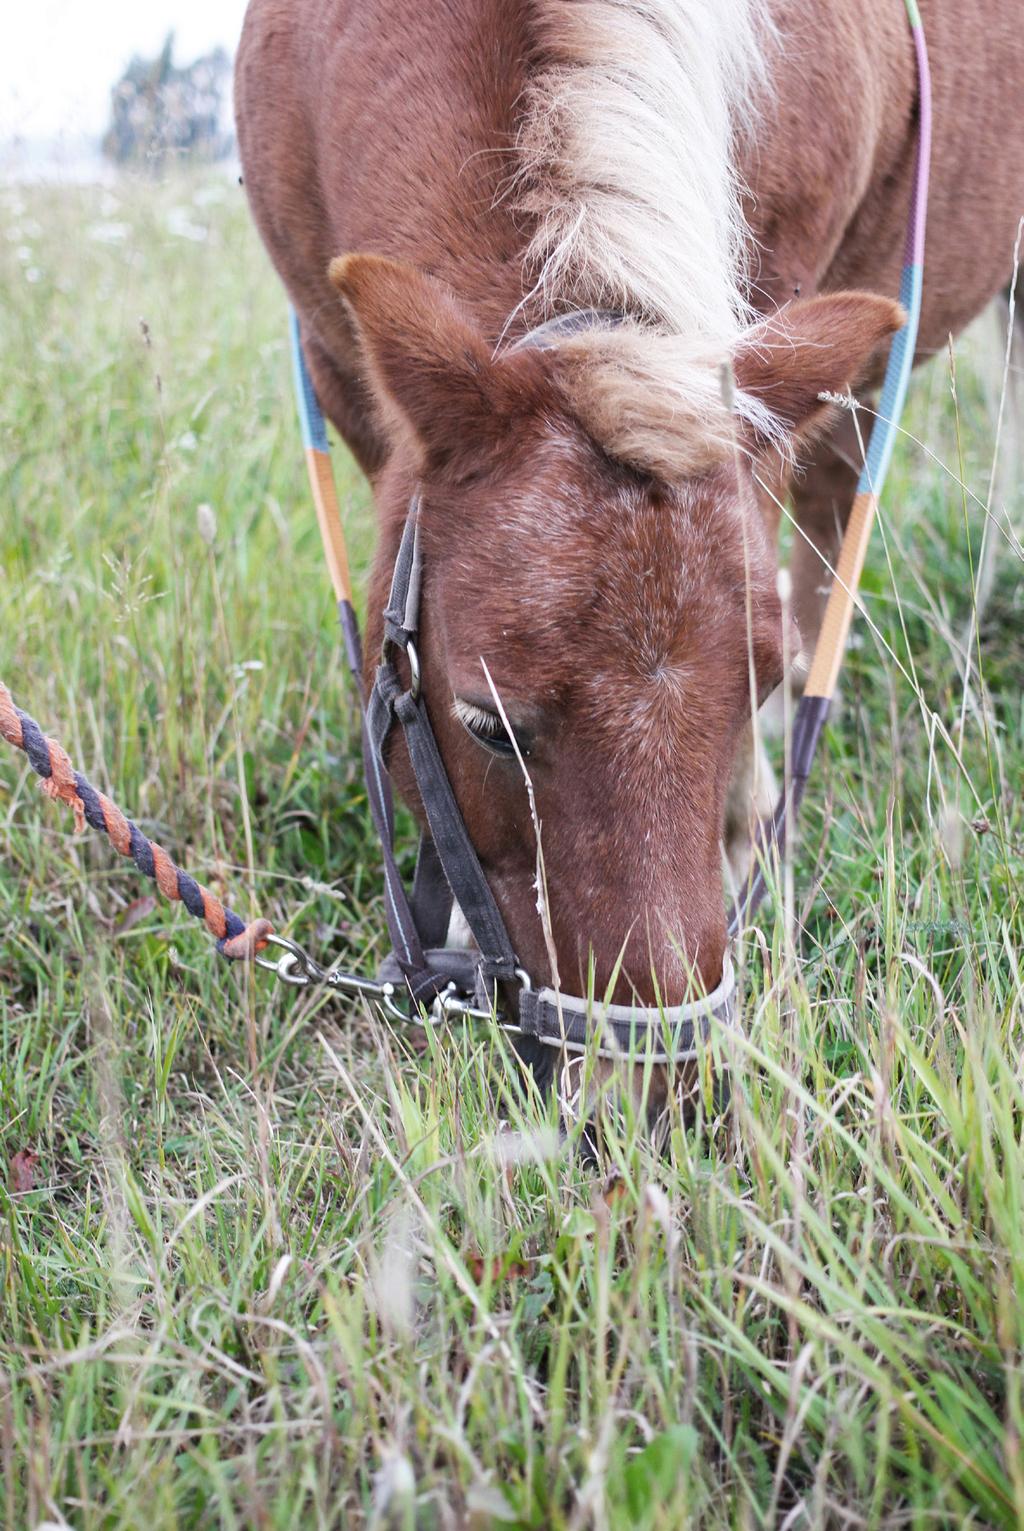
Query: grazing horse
[[728, 182]]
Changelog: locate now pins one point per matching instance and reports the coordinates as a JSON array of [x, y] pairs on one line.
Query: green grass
[[278, 1267]]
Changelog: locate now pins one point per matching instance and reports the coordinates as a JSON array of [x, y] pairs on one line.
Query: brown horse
[[599, 518]]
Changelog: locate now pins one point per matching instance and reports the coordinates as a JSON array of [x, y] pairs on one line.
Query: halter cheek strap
[[391, 702]]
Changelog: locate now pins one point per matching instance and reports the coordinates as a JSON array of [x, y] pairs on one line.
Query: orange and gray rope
[[60, 780]]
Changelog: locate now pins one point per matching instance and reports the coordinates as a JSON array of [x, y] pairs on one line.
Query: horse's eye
[[486, 728]]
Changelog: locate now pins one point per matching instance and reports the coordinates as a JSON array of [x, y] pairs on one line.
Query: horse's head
[[597, 569]]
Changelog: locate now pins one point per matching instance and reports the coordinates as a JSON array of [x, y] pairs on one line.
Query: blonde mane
[[627, 172]]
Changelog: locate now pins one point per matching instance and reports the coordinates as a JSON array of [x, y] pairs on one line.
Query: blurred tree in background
[[162, 113]]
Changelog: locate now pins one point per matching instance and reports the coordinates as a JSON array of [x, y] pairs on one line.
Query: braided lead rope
[[60, 781]]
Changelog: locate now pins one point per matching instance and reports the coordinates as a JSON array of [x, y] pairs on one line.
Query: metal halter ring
[[414, 663], [448, 1006], [414, 670]]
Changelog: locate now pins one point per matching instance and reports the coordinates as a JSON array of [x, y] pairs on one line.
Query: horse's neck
[[838, 123]]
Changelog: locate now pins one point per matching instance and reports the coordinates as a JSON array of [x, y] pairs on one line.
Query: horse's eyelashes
[[480, 720], [486, 727]]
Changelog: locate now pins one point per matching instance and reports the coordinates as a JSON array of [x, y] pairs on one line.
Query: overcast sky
[[59, 58]]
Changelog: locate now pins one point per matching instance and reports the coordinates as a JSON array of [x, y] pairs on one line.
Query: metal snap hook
[[450, 1006], [296, 967]]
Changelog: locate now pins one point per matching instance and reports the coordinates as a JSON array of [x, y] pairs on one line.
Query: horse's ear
[[429, 367], [814, 346]]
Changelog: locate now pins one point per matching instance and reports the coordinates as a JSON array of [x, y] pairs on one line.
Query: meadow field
[[265, 1262]]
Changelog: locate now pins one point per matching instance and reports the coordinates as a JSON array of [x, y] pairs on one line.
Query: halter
[[456, 982]]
